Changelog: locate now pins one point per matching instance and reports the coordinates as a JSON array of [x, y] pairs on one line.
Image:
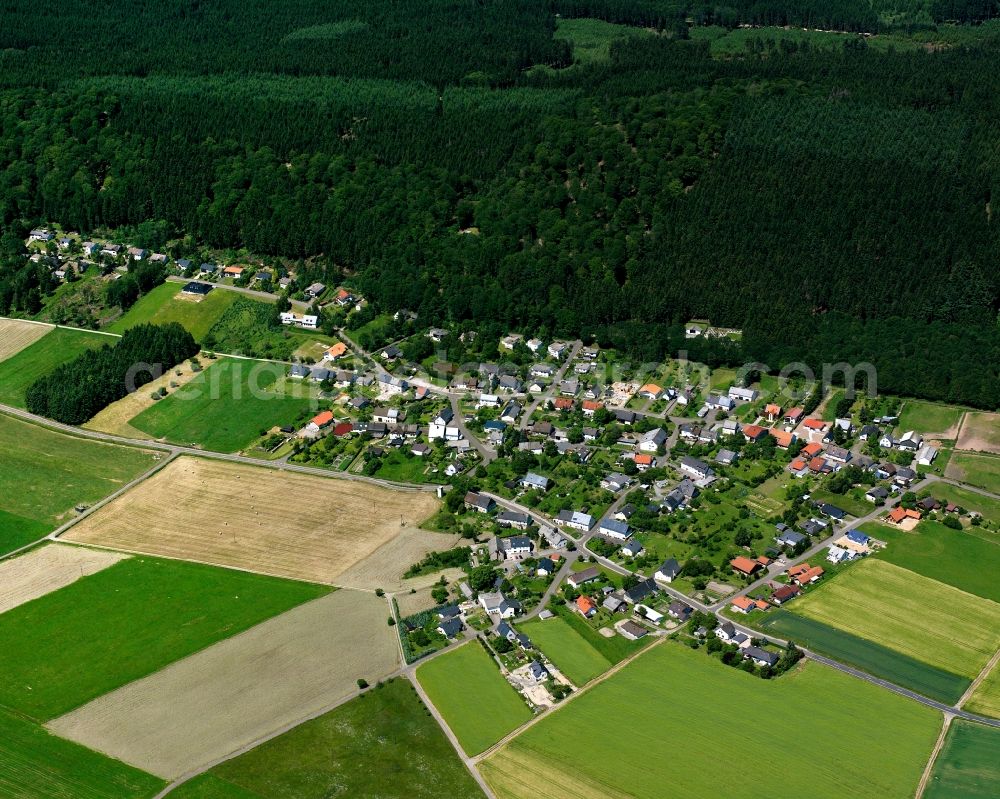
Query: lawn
[[986, 698], [853, 502], [677, 713], [567, 649], [866, 655], [982, 471], [34, 764], [387, 727], [968, 765], [929, 417], [127, 621], [226, 407], [60, 346], [44, 474], [954, 557], [933, 622], [614, 649], [467, 688], [165, 304]]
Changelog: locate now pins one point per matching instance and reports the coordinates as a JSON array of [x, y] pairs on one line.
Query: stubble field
[[263, 520], [231, 694], [15, 335]]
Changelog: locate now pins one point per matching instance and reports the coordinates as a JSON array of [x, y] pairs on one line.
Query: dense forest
[[466, 161], [77, 390]]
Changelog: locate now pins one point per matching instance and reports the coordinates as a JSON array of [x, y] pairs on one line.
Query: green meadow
[[928, 417], [226, 407], [45, 474], [53, 349], [467, 688], [387, 727], [567, 649], [165, 303], [96, 634], [671, 719]]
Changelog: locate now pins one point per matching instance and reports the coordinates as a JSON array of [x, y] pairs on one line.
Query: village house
[[612, 528], [479, 502], [496, 604], [576, 579], [514, 547], [745, 566], [696, 468], [743, 394], [586, 606], [631, 549], [515, 519], [535, 482], [575, 519], [652, 440], [442, 426], [785, 593], [668, 571]]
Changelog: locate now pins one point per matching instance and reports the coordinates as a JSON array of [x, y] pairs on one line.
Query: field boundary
[[979, 678], [932, 759]]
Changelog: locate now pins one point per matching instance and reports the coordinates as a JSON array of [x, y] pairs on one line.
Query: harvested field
[[46, 569], [980, 432], [263, 520], [414, 603], [15, 335], [227, 696], [384, 568], [115, 418]]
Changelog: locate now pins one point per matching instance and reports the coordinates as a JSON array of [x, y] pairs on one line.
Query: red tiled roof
[[743, 602], [812, 450], [323, 419], [797, 465], [744, 565], [815, 424], [563, 403], [343, 429], [585, 604]]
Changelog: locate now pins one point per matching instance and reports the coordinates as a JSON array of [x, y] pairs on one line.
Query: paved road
[[553, 389]]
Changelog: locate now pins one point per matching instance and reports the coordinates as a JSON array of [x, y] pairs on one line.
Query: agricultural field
[[680, 704], [963, 560], [567, 649], [35, 764], [229, 695], [900, 609], [15, 335], [982, 471], [980, 432], [45, 474], [967, 766], [930, 418], [59, 346], [188, 510], [48, 568], [115, 418], [385, 567], [165, 303], [478, 704], [985, 699], [225, 407], [866, 655], [123, 623], [968, 499], [388, 726]]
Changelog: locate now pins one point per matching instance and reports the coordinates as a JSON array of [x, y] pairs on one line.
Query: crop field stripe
[[985, 698], [35, 764], [867, 655], [474, 698], [928, 620]]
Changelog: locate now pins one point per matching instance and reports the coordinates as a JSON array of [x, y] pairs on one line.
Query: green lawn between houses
[[36, 764], [477, 702], [927, 620], [60, 346], [165, 304], [968, 765], [44, 474], [219, 410], [670, 720], [383, 744], [958, 558], [99, 633], [568, 650], [866, 655]]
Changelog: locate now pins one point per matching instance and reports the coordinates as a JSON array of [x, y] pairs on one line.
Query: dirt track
[[46, 569], [235, 692], [268, 521]]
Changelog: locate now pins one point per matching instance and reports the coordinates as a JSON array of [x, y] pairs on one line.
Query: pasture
[[567, 649], [478, 704], [980, 432], [229, 695], [930, 418], [927, 620], [246, 517], [225, 407], [967, 766], [48, 568], [960, 559], [388, 726], [16, 334], [59, 346], [35, 764], [123, 623], [978, 470], [866, 655], [682, 706], [45, 474], [985, 700], [166, 303], [968, 499]]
